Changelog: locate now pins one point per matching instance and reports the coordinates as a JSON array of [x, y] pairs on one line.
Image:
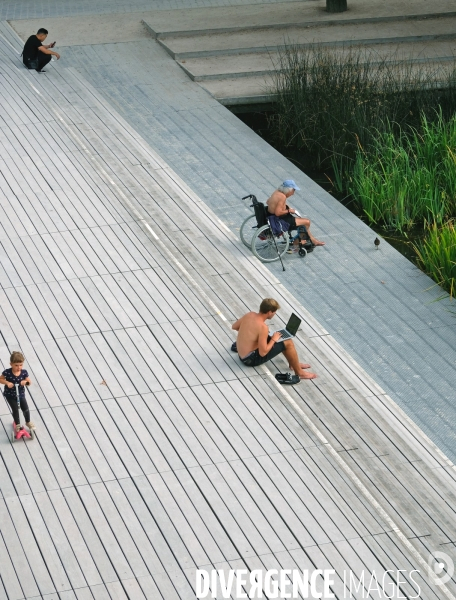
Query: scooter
[[22, 433]]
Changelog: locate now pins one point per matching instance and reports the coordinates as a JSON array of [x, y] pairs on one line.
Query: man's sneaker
[[31, 425]]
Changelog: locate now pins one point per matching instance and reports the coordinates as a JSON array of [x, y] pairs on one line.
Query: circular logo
[[442, 567]]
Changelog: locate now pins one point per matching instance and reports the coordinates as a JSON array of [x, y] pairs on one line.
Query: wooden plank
[[45, 544], [19, 462], [91, 444], [76, 442], [98, 308], [90, 376], [135, 529], [9, 537], [129, 437], [75, 387], [12, 466], [123, 539], [102, 366], [84, 593], [12, 588], [31, 550], [151, 590], [106, 449], [242, 532], [204, 423], [115, 365], [182, 440], [92, 390], [156, 350], [117, 301], [258, 506], [200, 504], [158, 526], [125, 352], [201, 544], [227, 425], [183, 417], [63, 446], [112, 431], [132, 233], [280, 412], [224, 370], [72, 303], [105, 532], [128, 290], [159, 447], [84, 536]]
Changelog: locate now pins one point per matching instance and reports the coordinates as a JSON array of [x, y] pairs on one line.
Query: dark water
[[259, 122]]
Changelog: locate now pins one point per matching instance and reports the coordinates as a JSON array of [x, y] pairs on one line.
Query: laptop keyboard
[[285, 334]]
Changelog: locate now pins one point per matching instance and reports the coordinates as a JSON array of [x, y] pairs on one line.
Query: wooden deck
[[157, 452]]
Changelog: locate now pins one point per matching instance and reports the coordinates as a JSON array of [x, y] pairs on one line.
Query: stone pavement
[[375, 303]]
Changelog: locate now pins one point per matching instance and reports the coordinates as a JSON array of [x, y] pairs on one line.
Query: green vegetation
[[407, 177], [437, 255], [387, 128]]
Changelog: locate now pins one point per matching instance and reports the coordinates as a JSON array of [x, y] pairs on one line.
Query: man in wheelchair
[[255, 346], [277, 206]]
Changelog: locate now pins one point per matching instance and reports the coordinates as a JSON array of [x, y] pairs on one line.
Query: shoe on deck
[[31, 425], [287, 378]]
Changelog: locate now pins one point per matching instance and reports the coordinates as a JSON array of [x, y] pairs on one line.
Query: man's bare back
[[251, 327], [277, 205]]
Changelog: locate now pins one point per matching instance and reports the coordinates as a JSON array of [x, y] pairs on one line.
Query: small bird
[[377, 242]]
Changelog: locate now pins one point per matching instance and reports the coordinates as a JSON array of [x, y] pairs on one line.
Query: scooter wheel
[[13, 437], [32, 434]]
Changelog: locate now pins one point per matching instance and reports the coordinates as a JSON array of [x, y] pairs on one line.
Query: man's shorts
[[289, 218], [254, 359]]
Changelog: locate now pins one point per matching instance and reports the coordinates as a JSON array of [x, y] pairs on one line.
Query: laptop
[[291, 327]]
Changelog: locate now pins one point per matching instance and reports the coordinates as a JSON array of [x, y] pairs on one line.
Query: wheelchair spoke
[[267, 247], [248, 229]]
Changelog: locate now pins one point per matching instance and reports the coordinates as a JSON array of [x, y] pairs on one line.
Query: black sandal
[[287, 378]]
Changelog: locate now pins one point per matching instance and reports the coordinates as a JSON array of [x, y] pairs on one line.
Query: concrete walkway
[[375, 303]]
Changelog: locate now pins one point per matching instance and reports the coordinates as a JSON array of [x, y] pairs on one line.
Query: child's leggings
[[24, 407]]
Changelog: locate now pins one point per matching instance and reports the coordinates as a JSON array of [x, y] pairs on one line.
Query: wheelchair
[[256, 233]]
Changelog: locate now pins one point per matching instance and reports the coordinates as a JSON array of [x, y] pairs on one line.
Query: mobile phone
[[53, 44]]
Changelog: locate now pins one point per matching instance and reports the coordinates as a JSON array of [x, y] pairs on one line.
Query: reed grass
[[331, 100], [437, 255], [407, 177]]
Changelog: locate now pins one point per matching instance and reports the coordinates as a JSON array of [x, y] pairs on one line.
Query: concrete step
[[259, 88], [197, 21], [261, 40], [254, 89], [261, 64]]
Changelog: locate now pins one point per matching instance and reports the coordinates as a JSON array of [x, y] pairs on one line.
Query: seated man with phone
[[35, 54], [255, 346]]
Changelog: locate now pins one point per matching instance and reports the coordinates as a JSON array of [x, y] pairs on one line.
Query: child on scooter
[[9, 378]]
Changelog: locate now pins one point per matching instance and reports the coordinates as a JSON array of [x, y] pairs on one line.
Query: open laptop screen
[[293, 324]]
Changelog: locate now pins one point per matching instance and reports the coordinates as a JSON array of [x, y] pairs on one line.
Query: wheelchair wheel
[[248, 230], [264, 244]]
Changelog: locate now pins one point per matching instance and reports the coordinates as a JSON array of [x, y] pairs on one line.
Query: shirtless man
[[277, 205], [255, 346]]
